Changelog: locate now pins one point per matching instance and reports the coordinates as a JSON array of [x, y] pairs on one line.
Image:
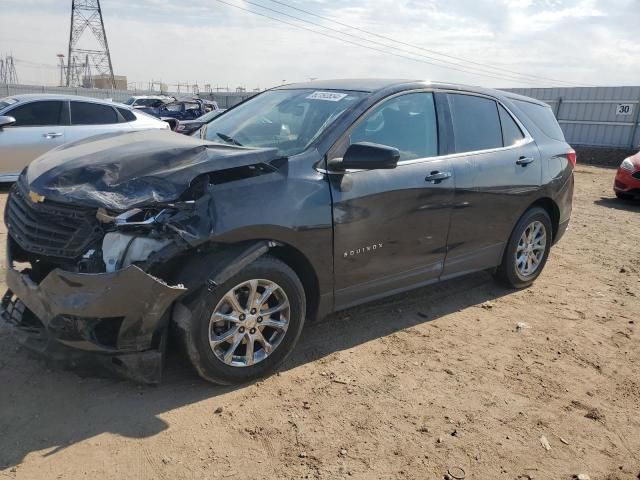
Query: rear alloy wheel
[[527, 250], [247, 326], [531, 249]]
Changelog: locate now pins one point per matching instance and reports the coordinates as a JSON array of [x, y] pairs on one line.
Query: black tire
[[624, 196], [508, 272], [195, 335]]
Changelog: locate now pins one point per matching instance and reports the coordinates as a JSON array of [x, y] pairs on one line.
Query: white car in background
[[31, 125]]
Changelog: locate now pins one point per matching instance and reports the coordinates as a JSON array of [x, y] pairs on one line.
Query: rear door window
[[85, 113], [36, 114], [511, 133], [476, 123]]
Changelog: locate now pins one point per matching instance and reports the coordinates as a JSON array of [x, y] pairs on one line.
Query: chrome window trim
[[525, 141]]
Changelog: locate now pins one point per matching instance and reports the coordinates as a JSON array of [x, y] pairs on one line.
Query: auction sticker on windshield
[[328, 96]]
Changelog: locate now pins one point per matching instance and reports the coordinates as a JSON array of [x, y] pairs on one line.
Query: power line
[[34, 64], [444, 62], [419, 60], [435, 52], [353, 43]]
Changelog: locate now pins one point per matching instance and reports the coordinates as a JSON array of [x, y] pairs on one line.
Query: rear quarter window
[[128, 115], [543, 117]]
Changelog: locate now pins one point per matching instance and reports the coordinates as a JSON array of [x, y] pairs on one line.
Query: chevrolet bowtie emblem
[[36, 198]]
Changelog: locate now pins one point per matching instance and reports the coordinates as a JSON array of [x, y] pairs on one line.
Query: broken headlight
[[139, 216], [133, 217]]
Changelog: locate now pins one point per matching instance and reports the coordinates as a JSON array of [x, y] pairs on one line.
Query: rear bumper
[[115, 315]]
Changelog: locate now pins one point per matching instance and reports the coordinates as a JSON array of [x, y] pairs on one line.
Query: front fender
[[214, 267]]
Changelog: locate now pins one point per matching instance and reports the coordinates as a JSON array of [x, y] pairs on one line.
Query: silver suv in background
[[31, 125]]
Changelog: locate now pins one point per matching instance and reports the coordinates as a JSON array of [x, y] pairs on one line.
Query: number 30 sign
[[624, 109]]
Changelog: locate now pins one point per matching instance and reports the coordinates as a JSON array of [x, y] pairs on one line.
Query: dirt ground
[[405, 388]]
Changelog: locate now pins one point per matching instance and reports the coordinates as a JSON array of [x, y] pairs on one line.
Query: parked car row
[[172, 110], [181, 109], [140, 101], [187, 127], [31, 125]]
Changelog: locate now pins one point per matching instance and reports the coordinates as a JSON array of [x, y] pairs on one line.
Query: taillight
[[572, 157]]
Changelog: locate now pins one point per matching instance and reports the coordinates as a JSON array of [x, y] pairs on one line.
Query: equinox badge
[[365, 249]]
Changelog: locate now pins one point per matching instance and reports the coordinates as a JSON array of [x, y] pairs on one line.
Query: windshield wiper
[[228, 139]]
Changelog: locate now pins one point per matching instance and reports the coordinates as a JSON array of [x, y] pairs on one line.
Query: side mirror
[[368, 156], [6, 121]]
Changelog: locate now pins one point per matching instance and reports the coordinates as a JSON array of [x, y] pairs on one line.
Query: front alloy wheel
[[247, 326], [249, 323]]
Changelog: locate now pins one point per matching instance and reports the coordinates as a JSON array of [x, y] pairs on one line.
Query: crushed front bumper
[[116, 316]]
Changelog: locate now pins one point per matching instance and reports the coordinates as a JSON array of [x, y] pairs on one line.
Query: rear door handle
[[52, 135], [437, 177], [524, 161]]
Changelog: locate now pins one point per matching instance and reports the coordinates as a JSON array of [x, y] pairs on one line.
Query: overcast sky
[[204, 41]]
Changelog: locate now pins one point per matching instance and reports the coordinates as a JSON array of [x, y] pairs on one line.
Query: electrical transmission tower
[[8, 72], [87, 15]]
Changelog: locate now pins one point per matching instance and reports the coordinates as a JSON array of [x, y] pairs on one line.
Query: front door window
[[407, 122]]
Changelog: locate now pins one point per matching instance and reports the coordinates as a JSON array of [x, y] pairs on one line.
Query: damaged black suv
[[303, 200]]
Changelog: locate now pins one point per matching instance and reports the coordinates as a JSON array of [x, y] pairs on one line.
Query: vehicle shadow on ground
[[45, 411], [619, 204]]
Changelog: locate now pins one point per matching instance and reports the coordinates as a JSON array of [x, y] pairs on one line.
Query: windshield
[[130, 101], [288, 120], [5, 102]]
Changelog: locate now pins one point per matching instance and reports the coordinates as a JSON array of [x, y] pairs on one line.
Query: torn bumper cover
[[117, 316]]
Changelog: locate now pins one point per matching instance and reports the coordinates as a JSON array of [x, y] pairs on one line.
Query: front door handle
[[524, 161], [437, 177], [52, 135]]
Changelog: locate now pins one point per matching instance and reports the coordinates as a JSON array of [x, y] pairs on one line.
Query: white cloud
[[205, 41]]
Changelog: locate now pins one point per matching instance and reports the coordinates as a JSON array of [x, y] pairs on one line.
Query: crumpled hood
[[119, 171]]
